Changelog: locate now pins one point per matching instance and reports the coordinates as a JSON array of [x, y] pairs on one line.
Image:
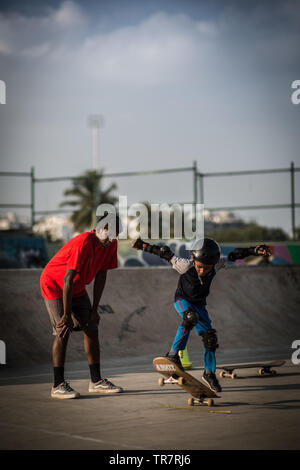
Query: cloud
[[156, 50], [269, 35], [36, 36], [163, 48], [68, 15]]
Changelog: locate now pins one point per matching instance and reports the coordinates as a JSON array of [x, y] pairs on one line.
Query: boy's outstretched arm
[[179, 264], [161, 251], [241, 253]]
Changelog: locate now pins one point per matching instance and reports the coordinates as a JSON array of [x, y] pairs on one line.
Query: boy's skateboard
[[200, 393], [265, 368]]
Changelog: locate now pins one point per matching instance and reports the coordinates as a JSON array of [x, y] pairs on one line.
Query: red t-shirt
[[85, 255]]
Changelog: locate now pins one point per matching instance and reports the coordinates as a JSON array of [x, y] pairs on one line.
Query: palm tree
[[89, 194]]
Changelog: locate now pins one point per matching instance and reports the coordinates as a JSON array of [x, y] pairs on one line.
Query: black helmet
[[206, 250]]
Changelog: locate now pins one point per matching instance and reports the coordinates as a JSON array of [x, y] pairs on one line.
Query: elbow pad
[[161, 251], [239, 253]]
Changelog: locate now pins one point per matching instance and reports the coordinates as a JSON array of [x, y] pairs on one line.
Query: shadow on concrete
[[257, 388], [282, 405]]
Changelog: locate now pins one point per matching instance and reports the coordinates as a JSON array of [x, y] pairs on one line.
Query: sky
[[175, 81]]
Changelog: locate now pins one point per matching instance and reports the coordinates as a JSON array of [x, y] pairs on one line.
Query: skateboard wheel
[[261, 371], [161, 382], [181, 381], [233, 375], [209, 402], [191, 401], [222, 374], [273, 372]]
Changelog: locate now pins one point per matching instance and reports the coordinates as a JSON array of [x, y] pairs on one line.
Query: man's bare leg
[[92, 346], [59, 348], [61, 388], [92, 350]]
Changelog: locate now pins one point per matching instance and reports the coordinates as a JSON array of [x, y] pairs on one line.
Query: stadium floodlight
[[95, 122]]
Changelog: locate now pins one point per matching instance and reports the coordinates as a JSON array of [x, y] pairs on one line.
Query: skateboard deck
[[201, 394], [265, 368]]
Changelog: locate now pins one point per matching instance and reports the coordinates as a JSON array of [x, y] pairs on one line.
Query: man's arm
[[99, 284]]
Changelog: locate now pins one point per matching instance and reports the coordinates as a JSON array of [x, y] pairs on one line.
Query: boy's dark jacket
[[192, 289]]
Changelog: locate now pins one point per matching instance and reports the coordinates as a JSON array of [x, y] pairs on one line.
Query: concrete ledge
[[251, 308]]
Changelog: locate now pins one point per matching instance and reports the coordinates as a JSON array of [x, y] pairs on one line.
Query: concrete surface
[[253, 412], [256, 313]]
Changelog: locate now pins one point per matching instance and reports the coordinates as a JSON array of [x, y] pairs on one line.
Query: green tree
[[250, 233], [87, 189]]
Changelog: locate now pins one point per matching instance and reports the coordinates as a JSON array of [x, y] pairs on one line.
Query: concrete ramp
[[252, 308]]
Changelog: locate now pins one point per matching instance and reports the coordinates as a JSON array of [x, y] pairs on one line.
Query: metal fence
[[198, 180]]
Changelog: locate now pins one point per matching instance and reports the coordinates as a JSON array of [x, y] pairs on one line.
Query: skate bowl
[[252, 308]]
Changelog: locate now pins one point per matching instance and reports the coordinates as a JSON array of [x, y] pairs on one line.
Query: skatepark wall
[[252, 308]]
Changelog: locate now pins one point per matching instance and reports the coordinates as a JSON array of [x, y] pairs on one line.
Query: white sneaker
[[104, 386], [64, 391]]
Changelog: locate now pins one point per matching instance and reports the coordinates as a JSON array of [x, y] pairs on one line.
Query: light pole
[[95, 122]]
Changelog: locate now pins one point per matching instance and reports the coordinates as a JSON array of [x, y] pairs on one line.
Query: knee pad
[[190, 319], [210, 340]]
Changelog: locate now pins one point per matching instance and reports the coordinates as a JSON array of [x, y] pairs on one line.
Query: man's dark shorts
[[81, 307]]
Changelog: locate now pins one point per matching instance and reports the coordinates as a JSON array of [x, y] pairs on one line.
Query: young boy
[[192, 290]]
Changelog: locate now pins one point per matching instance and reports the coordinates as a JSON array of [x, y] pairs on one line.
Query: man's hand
[[66, 324], [262, 250]]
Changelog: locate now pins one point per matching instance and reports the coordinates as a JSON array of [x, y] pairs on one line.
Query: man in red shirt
[[85, 257]]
